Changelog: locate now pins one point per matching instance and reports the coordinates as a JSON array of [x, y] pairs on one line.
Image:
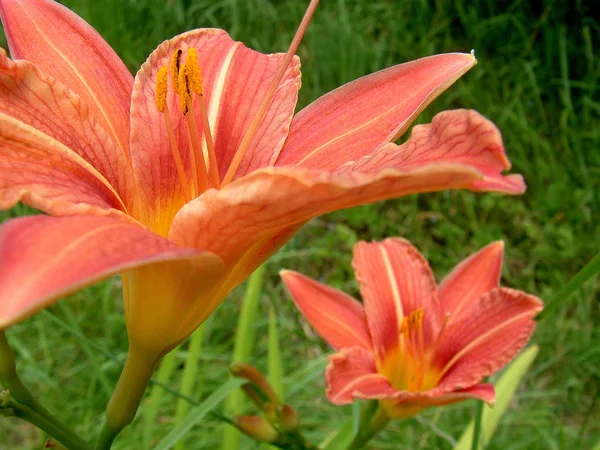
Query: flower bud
[[271, 412], [4, 398], [288, 418], [257, 428], [250, 373]]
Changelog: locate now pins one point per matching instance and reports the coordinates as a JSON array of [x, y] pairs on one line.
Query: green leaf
[[189, 378], [505, 390], [156, 396], [197, 413], [244, 342], [275, 366], [341, 438], [588, 271]]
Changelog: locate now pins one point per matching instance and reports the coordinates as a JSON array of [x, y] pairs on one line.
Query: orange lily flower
[[413, 345], [190, 175]]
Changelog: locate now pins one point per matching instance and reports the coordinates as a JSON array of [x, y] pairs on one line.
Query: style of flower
[[190, 175], [413, 345]]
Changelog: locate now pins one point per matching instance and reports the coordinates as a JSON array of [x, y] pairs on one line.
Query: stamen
[[161, 105], [195, 84], [174, 65], [161, 89], [262, 109], [196, 147]]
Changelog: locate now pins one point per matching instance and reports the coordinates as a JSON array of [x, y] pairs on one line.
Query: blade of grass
[[87, 349], [274, 362], [197, 413], [189, 379], [588, 271], [156, 395], [244, 342], [341, 438], [505, 390]]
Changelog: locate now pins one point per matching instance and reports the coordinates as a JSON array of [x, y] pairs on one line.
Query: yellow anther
[[175, 65], [161, 89], [183, 90], [193, 74]]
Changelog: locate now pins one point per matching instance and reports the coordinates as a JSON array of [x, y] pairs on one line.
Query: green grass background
[[537, 78]]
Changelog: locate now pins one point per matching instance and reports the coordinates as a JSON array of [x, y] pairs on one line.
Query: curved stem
[[50, 426], [366, 433], [9, 377], [128, 394], [26, 407]]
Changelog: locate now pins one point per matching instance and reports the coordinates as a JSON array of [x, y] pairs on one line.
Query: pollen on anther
[[175, 64], [183, 88], [193, 71], [161, 89]]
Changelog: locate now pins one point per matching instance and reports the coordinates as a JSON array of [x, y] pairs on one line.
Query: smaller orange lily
[[413, 345]]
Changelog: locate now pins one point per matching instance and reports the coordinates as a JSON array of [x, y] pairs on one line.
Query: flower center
[[407, 368]]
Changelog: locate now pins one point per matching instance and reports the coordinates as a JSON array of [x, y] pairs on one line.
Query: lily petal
[[44, 258], [360, 116], [42, 102], [395, 280], [337, 317], [37, 31], [460, 136], [45, 174], [352, 373], [469, 280], [405, 404], [235, 80], [265, 202], [160, 299], [485, 336]]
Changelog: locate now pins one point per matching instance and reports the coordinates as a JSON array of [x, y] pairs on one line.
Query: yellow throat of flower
[[408, 367]]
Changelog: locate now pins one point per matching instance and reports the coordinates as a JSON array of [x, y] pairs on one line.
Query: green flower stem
[[67, 438], [368, 430], [478, 426], [127, 396], [9, 377], [25, 406]]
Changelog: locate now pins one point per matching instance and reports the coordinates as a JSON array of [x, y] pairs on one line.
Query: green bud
[[288, 418], [257, 428], [271, 412], [250, 373], [4, 398]]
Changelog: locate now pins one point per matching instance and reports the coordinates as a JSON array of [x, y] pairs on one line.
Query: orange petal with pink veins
[[40, 101], [352, 373], [395, 280], [469, 280], [247, 214], [364, 114], [45, 174], [235, 80], [461, 137], [484, 336], [44, 258], [63, 45], [336, 316], [405, 404]]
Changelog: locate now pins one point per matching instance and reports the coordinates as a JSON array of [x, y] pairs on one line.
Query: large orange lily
[[188, 177], [410, 344]]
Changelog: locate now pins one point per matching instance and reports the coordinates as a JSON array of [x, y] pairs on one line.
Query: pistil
[[266, 102]]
